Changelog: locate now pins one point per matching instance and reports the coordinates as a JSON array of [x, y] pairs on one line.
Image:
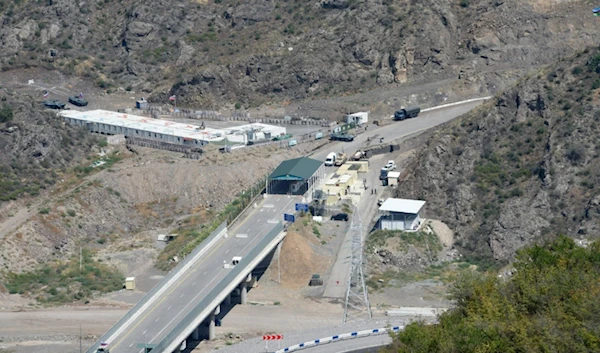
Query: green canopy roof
[[296, 169]]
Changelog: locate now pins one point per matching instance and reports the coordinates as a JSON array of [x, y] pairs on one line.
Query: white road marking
[[143, 333], [205, 272], [169, 308], [158, 318], [130, 345], [260, 232], [182, 294], [226, 251], [193, 284]]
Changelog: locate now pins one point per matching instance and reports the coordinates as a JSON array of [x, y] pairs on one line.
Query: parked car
[[80, 102], [54, 104], [391, 165], [341, 137], [340, 217]]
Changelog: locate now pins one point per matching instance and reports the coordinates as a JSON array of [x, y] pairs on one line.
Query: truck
[[407, 113], [360, 118], [359, 155], [340, 159], [330, 160]]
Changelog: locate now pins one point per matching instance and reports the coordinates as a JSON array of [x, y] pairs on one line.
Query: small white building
[[393, 178], [400, 214], [359, 118]]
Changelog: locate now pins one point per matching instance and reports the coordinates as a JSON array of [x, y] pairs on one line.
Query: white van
[[330, 161]]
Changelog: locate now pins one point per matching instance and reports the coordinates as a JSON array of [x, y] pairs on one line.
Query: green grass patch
[[189, 237], [64, 281]]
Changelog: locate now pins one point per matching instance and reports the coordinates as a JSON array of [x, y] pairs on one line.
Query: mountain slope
[[215, 52], [35, 146], [519, 168]]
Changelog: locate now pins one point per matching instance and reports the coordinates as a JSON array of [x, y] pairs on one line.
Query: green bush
[[64, 281], [549, 304], [44, 210], [6, 113]]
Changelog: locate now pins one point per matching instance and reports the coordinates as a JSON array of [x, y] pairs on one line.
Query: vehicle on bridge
[[103, 348], [407, 113]]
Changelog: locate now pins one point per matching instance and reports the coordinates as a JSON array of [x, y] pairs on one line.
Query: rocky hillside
[[522, 168], [35, 146], [222, 52]]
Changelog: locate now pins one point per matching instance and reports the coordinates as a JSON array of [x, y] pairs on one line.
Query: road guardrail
[[193, 319], [134, 312]]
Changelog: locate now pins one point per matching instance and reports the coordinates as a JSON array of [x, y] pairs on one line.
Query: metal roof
[[296, 169], [402, 206], [166, 127]]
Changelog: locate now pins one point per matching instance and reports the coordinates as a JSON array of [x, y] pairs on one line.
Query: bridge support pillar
[[227, 300], [243, 293], [217, 310], [183, 346], [211, 327], [195, 334]]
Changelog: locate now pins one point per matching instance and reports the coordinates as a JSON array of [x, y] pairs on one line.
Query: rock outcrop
[[521, 168], [212, 53]]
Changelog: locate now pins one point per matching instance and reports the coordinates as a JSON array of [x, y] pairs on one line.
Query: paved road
[[399, 129], [182, 296], [338, 278]]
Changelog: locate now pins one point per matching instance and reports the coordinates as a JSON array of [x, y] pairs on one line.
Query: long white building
[[114, 123]]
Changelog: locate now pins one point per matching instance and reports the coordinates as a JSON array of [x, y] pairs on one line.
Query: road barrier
[[341, 337]]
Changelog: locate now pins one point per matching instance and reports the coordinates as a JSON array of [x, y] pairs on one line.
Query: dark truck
[[80, 102], [53, 104], [341, 137], [407, 113]]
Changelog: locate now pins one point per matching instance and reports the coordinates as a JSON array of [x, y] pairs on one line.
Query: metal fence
[[156, 288], [206, 305], [155, 111]]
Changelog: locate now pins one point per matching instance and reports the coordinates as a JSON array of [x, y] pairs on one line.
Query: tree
[[549, 304], [6, 113]]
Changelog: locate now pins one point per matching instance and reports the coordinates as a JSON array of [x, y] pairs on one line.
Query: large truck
[[340, 159], [407, 113]]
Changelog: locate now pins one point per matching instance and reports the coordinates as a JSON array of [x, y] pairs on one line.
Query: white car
[[391, 165]]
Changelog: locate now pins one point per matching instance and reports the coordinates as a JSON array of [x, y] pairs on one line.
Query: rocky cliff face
[[215, 52], [524, 167]]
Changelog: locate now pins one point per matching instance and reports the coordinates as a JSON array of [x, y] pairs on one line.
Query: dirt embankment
[[126, 206]]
